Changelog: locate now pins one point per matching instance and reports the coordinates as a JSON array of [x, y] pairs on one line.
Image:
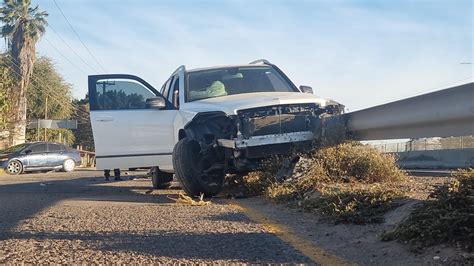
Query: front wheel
[[159, 179], [14, 167], [69, 165], [192, 169]]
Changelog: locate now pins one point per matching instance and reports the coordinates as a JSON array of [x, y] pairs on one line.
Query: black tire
[[159, 179], [14, 167], [189, 172]]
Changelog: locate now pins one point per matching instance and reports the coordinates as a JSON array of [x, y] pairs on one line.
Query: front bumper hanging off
[[255, 141]]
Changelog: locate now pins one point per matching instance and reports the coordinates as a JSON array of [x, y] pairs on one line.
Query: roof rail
[[264, 61], [180, 68]]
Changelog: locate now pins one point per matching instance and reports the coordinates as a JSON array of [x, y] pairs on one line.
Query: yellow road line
[[283, 232]]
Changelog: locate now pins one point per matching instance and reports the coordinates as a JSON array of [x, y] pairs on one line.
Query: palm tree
[[23, 26]]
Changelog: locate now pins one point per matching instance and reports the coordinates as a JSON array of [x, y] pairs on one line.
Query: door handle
[[104, 119]]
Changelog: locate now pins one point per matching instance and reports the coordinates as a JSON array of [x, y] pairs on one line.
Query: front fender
[[208, 126]]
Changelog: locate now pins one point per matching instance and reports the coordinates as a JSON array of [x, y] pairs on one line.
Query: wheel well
[[16, 160], [181, 134], [207, 127]]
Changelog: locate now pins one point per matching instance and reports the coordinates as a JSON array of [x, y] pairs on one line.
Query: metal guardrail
[[443, 113]]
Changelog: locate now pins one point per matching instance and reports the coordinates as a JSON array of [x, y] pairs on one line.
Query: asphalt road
[[80, 218]]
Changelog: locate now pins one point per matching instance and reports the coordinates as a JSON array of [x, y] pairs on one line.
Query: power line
[[33, 78], [77, 35], [52, 94], [65, 57], [74, 51]]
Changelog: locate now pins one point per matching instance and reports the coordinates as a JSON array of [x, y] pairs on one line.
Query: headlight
[[3, 159]]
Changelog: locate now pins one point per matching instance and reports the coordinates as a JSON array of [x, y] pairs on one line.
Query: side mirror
[[155, 103], [27, 151], [306, 89]]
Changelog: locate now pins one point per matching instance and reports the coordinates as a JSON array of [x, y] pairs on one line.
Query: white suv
[[203, 123]]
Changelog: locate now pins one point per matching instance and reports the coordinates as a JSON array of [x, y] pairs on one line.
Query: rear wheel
[[193, 170], [14, 167], [159, 179], [69, 165]]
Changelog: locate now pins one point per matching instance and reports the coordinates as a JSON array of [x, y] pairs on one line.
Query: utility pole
[[45, 116], [104, 86]]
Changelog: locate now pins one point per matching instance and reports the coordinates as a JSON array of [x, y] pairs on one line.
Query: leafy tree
[[22, 28], [49, 88], [83, 133], [7, 112]]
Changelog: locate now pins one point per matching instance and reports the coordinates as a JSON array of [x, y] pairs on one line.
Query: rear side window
[[55, 147], [38, 148]]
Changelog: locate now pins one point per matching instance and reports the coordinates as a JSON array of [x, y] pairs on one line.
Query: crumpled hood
[[231, 103]]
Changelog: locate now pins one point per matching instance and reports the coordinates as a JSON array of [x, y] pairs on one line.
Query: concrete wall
[[453, 158]]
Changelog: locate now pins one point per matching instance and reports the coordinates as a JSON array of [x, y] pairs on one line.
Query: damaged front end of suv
[[238, 143]]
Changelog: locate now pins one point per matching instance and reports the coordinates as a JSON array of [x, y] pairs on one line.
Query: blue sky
[[360, 53]]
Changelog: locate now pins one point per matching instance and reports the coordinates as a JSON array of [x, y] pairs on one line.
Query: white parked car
[[203, 123]]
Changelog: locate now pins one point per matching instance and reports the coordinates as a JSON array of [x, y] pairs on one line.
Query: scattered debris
[[133, 177], [186, 200], [287, 169]]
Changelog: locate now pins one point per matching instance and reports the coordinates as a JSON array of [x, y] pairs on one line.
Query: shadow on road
[[21, 201], [248, 247]]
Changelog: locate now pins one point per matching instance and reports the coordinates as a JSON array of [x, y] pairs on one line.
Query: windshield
[[235, 80], [15, 148]]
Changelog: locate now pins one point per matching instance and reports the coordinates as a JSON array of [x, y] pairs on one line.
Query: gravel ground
[[56, 218]]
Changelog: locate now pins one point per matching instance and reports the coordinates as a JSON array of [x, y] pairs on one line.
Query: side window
[[55, 147], [176, 94], [166, 87], [173, 96], [121, 94], [38, 148]]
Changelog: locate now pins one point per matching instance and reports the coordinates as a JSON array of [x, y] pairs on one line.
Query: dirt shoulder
[[361, 244]]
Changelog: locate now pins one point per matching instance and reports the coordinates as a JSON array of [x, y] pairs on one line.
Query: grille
[[277, 119]]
